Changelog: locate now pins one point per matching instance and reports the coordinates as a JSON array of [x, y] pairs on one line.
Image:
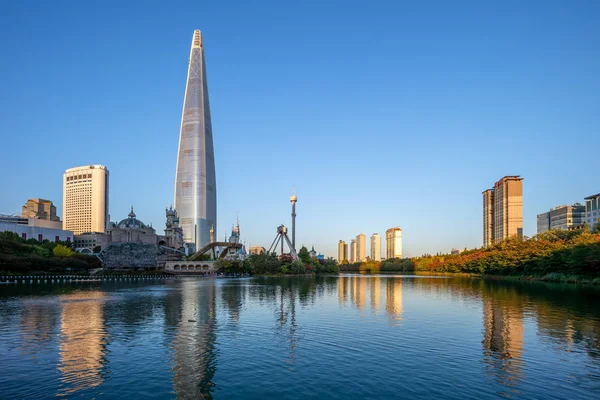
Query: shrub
[[62, 251]]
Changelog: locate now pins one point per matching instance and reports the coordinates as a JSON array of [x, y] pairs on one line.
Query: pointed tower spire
[[195, 180]]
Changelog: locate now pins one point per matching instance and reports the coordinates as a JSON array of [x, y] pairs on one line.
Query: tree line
[[18, 255]]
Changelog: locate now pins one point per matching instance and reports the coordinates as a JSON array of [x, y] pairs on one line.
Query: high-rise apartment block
[[353, 258], [562, 217], [592, 210], [503, 210], [393, 241], [342, 251], [488, 217], [39, 209], [361, 247], [375, 247], [195, 180], [85, 199]]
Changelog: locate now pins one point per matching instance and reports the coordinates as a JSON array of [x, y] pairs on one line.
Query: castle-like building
[[131, 243]]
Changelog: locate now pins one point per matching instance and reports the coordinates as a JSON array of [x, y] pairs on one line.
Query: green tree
[[97, 249], [62, 251], [304, 255]]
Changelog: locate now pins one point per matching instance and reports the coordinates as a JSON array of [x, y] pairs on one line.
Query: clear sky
[[381, 113]]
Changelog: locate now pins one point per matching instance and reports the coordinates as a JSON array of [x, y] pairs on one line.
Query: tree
[[62, 251], [97, 249], [304, 255], [596, 227]]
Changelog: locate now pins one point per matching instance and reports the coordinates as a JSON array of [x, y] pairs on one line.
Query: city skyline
[[441, 122]]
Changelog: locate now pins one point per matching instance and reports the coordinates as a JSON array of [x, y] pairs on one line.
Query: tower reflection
[[82, 344], [194, 362], [503, 335]]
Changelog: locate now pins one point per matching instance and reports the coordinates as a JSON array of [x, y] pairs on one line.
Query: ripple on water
[[349, 337]]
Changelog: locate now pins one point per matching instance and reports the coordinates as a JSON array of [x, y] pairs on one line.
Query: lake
[[347, 337]]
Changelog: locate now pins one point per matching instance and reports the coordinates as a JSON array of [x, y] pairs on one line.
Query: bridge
[[212, 246]]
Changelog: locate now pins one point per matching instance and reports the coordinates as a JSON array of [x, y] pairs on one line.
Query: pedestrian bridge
[[186, 267]]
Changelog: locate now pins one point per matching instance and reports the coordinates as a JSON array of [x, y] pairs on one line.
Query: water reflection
[[393, 298], [82, 341], [194, 358], [503, 337], [358, 287], [293, 330]]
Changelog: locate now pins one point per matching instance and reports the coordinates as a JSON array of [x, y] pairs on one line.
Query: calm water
[[348, 337]]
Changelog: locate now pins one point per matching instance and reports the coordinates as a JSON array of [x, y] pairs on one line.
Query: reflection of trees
[[37, 324], [232, 298], [82, 341], [194, 358]]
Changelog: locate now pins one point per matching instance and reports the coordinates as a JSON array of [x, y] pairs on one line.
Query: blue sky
[[381, 113]]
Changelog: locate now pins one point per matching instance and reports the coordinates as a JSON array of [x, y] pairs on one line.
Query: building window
[[56, 239], [24, 236], [40, 237]]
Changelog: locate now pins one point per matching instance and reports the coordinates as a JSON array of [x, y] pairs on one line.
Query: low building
[[39, 209], [33, 228], [562, 217], [456, 252], [592, 210], [257, 250], [86, 242]]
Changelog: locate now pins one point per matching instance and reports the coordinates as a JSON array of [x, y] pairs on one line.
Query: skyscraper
[[503, 210], [342, 251], [375, 247], [488, 217], [195, 181], [393, 242], [361, 247], [353, 251], [85, 199]]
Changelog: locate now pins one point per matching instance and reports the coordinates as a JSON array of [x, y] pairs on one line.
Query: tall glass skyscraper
[[195, 182]]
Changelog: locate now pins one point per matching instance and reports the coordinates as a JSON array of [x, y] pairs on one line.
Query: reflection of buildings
[[194, 358], [502, 336], [343, 289], [393, 298], [375, 293], [503, 329], [358, 290], [82, 342]]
